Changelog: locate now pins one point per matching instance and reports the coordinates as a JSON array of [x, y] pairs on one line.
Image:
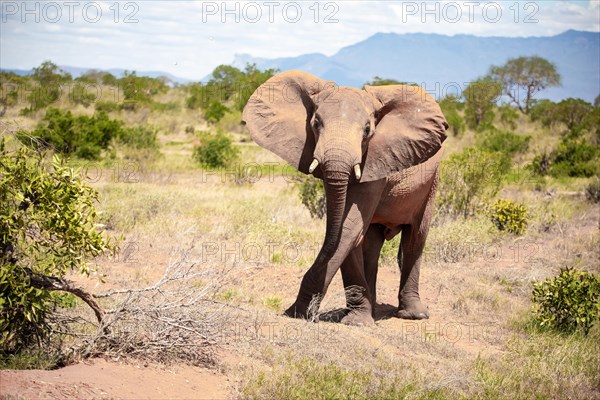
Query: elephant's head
[[342, 134]]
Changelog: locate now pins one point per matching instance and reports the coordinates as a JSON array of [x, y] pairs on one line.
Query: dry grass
[[475, 280]]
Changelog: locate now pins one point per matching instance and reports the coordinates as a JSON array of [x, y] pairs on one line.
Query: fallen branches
[[173, 319], [52, 283]]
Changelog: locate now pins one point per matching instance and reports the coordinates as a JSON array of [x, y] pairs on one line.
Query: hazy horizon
[[188, 39]]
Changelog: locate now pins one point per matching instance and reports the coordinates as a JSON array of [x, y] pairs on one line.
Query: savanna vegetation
[[148, 201]]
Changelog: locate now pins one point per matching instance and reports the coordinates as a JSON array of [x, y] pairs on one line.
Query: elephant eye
[[367, 131], [316, 123]]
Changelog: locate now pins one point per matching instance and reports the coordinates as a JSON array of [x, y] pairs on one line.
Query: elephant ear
[[409, 129], [278, 116]]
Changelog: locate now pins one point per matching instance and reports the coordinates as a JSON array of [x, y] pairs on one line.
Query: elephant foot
[[297, 311], [358, 317], [413, 309]]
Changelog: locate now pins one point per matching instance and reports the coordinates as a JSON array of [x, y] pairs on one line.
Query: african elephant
[[362, 143]]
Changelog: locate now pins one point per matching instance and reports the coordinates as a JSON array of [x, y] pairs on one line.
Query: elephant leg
[[361, 203], [409, 261], [371, 247], [358, 299]]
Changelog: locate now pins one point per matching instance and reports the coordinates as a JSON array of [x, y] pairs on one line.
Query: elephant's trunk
[[337, 156], [337, 162], [336, 187], [337, 166]]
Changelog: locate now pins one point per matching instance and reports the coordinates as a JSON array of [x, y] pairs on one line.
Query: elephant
[[378, 151]]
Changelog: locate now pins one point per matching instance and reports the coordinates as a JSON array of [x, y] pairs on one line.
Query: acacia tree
[[527, 75]]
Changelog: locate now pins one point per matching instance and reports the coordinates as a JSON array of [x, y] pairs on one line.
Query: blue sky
[[190, 38]]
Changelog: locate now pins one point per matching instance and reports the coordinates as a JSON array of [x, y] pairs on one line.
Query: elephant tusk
[[357, 172], [313, 165]]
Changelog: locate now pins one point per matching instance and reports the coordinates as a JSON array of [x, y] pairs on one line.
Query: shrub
[[567, 302], [138, 137], [47, 229], [312, 195], [509, 216], [544, 112], [86, 137], [592, 190], [79, 95], [504, 141], [575, 157], [165, 107], [106, 106], [215, 150], [214, 112], [469, 179]]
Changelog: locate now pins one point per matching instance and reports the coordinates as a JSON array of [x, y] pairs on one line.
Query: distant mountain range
[[442, 64]]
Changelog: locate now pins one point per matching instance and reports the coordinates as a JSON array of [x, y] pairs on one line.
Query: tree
[[480, 97], [47, 230], [450, 106], [48, 72], [140, 89], [573, 113], [250, 81], [527, 75], [576, 114], [379, 81], [228, 85], [597, 101], [49, 78]]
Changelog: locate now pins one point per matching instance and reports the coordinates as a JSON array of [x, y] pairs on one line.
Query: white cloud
[[168, 33]]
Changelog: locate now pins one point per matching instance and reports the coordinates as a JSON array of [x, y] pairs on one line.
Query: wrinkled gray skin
[[394, 135]]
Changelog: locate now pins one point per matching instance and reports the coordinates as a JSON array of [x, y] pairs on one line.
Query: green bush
[[567, 302], [592, 190], [215, 150], [86, 137], [575, 157], [138, 137], [504, 141], [312, 195], [106, 106], [47, 229], [469, 179], [214, 112], [544, 112], [79, 95], [139, 90], [82, 136], [509, 216]]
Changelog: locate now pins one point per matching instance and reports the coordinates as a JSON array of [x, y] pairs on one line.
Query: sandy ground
[[101, 379]]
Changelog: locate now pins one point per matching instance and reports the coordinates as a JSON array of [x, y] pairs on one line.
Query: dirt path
[[101, 379]]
